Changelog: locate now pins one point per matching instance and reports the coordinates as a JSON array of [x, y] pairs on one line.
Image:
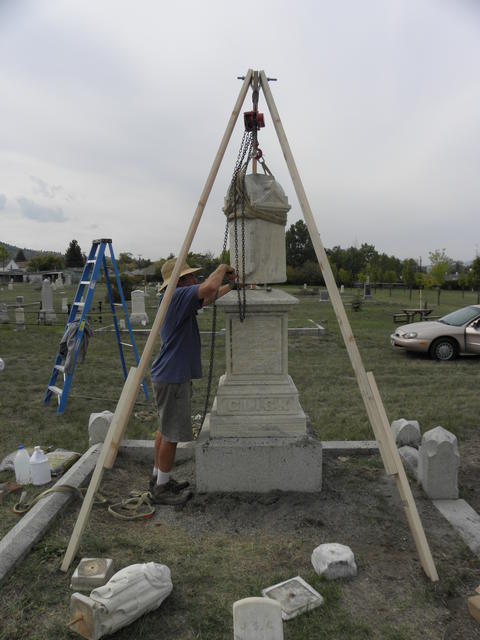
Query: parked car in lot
[[444, 339]]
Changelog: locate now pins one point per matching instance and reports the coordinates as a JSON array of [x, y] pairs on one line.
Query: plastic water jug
[[21, 465], [39, 467]]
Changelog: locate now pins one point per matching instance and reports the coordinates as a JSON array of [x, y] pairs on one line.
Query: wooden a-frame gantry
[[366, 381]]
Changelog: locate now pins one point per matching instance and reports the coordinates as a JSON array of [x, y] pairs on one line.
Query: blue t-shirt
[[179, 359]]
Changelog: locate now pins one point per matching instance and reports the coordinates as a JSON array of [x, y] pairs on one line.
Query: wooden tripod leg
[[372, 405], [128, 396], [404, 490], [136, 375]]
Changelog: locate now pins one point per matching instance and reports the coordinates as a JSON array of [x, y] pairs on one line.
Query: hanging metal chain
[[245, 146]]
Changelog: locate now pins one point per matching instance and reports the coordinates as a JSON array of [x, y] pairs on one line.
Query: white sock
[[155, 471], [163, 477]]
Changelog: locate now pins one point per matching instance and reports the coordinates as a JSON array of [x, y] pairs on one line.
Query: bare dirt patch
[[358, 506]]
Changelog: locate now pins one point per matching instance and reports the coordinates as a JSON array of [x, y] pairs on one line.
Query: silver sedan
[[445, 338]]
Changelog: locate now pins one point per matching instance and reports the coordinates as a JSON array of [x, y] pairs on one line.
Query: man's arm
[[208, 289]]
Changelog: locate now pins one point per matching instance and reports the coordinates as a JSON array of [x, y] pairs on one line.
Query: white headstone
[[98, 425], [342, 288], [19, 319], [10, 286], [406, 432], [257, 619], [439, 463], [65, 305], [121, 323], [68, 280], [47, 312], [333, 560], [138, 315]]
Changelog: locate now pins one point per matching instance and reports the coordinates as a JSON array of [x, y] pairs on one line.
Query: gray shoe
[[168, 494], [176, 486]]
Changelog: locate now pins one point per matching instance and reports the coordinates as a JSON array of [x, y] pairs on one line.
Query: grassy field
[[411, 386]]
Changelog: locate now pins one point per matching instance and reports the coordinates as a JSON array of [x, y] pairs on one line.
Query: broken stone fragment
[[333, 560], [406, 432]]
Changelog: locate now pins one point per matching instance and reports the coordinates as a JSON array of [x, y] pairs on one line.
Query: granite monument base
[[258, 465]]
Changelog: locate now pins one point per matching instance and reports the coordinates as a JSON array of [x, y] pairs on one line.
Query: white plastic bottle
[[21, 465], [39, 467]]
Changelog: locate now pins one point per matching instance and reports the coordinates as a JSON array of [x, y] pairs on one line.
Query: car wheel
[[444, 349]]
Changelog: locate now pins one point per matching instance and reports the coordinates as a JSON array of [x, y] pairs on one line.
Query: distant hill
[[29, 253]]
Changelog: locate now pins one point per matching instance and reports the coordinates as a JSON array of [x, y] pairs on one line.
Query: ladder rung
[[60, 367], [85, 281], [127, 344], [56, 390], [79, 304], [91, 261]]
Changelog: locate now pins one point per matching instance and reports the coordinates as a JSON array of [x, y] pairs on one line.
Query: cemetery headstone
[[65, 305], [342, 289], [410, 457], [257, 619], [68, 280], [3, 313], [19, 319], [439, 463], [47, 312], [366, 289], [10, 286], [19, 300], [406, 432], [324, 296], [138, 315]]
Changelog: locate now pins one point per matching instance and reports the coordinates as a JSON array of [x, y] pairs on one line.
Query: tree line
[[349, 266]]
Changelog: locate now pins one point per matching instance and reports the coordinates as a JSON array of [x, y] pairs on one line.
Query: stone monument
[[47, 312], [129, 594], [255, 437], [138, 315]]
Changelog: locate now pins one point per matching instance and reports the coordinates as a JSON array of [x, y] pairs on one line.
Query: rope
[[22, 507], [138, 507]]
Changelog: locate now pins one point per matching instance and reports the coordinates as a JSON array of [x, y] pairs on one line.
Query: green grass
[[411, 386]]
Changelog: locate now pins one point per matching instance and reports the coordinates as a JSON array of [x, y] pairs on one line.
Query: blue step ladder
[[81, 305]]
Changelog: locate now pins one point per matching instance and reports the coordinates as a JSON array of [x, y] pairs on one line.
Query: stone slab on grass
[[464, 519], [295, 597], [19, 540]]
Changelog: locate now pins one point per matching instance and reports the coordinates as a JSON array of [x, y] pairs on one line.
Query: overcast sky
[[111, 113]]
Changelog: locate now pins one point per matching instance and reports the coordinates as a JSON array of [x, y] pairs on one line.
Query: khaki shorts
[[174, 406]]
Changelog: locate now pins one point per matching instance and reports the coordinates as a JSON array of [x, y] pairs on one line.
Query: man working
[[178, 363]]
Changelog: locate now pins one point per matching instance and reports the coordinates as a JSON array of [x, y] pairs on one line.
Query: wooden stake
[[136, 375], [371, 404]]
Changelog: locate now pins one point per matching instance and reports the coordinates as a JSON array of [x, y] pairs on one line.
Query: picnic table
[[410, 315]]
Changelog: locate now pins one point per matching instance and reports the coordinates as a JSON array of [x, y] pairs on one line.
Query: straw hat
[[168, 267]]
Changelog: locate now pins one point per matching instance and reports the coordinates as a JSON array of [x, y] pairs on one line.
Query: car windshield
[[461, 316]]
